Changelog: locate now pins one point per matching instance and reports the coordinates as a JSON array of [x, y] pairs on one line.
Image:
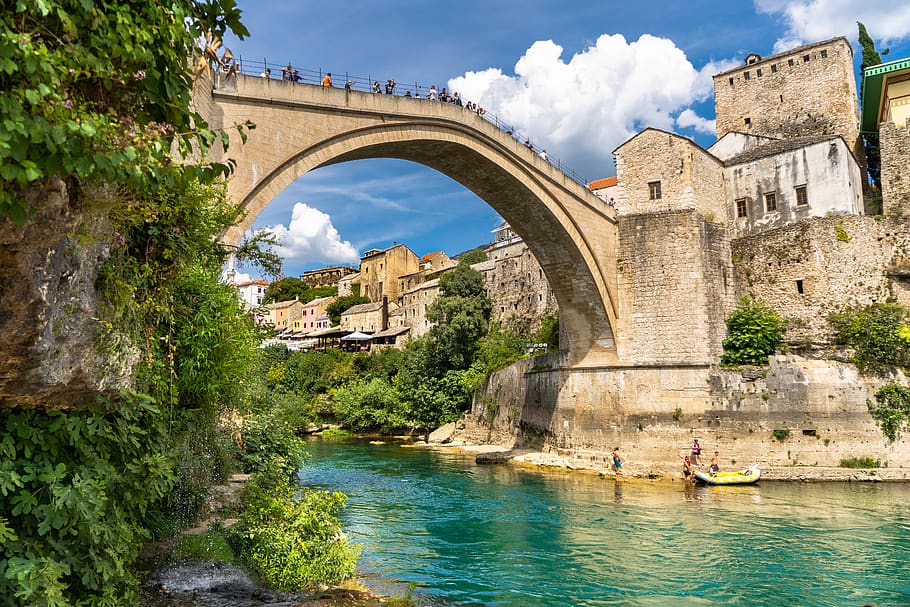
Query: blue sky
[[577, 78]]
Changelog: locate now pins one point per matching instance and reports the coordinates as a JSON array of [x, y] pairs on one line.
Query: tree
[[285, 289], [753, 333], [473, 256], [461, 315], [879, 335], [337, 307], [873, 154]]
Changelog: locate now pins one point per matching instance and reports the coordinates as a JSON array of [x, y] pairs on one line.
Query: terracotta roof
[[599, 184], [257, 281], [430, 255]]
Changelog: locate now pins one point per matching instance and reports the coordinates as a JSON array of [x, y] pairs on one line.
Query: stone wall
[[48, 305], [689, 177], [808, 270], [675, 280], [894, 145], [810, 90], [654, 413]]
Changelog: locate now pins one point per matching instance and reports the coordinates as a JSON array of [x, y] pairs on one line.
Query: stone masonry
[[810, 90]]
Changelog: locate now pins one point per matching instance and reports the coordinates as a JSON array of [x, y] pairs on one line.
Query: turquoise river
[[504, 535]]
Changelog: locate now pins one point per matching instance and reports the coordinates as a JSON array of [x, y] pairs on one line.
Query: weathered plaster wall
[[831, 177], [654, 413], [894, 145], [836, 261]]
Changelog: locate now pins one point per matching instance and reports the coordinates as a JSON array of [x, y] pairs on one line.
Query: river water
[[502, 535]]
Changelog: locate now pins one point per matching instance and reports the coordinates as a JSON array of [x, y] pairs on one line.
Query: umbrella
[[356, 336]]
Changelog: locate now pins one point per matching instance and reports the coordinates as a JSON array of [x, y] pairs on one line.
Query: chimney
[[385, 313]]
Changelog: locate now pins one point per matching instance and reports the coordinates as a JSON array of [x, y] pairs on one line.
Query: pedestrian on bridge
[[327, 81]]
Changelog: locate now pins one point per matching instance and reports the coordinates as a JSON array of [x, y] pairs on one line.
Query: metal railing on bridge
[[401, 89]]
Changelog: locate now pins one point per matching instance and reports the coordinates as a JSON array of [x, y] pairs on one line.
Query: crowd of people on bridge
[[291, 74]]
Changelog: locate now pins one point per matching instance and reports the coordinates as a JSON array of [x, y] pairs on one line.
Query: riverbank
[[599, 463]]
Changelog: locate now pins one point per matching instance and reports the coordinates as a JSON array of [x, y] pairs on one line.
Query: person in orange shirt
[[327, 81]]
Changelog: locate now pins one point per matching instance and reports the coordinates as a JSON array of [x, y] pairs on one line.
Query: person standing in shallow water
[[687, 469], [617, 460]]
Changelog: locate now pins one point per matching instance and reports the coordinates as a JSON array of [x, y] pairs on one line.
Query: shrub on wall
[[879, 335], [891, 409], [753, 333]]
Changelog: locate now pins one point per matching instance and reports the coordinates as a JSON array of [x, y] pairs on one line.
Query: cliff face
[[48, 305]]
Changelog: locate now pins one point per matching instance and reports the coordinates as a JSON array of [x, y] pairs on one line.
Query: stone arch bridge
[[301, 127]]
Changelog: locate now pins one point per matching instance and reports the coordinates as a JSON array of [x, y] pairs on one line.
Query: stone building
[[414, 304], [382, 269], [430, 266], [774, 208], [326, 277], [809, 90], [368, 318], [346, 284], [515, 282]]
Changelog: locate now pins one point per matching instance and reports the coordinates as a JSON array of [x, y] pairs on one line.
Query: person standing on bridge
[[543, 154], [431, 95], [327, 81], [376, 89]]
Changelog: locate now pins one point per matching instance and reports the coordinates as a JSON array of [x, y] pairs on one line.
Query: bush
[[370, 405], [268, 448], [781, 434], [891, 409], [860, 462], [753, 333], [293, 543], [879, 335]]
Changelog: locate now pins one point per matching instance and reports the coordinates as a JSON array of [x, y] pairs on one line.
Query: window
[[654, 190], [824, 54], [731, 81], [741, 208], [758, 72], [773, 68], [802, 197], [805, 58], [790, 62], [799, 287], [748, 121], [746, 75], [770, 202]]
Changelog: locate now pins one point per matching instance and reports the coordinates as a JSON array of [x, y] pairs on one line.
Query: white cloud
[[812, 20], [310, 237], [582, 109], [689, 119]]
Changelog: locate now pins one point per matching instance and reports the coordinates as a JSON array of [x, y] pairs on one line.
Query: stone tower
[[809, 90]]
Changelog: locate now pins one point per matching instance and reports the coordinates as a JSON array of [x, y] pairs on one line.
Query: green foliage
[[286, 289], [781, 434], [270, 448], [753, 333], [370, 405], [473, 256], [677, 413], [878, 333], [499, 348], [864, 462], [100, 92], [212, 546], [461, 315], [257, 250], [549, 332], [293, 542], [891, 409], [335, 309], [75, 487], [841, 233]]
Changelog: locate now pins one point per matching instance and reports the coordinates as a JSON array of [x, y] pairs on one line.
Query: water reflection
[[504, 535]]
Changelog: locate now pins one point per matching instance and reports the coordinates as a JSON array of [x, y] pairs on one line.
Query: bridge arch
[[571, 232]]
